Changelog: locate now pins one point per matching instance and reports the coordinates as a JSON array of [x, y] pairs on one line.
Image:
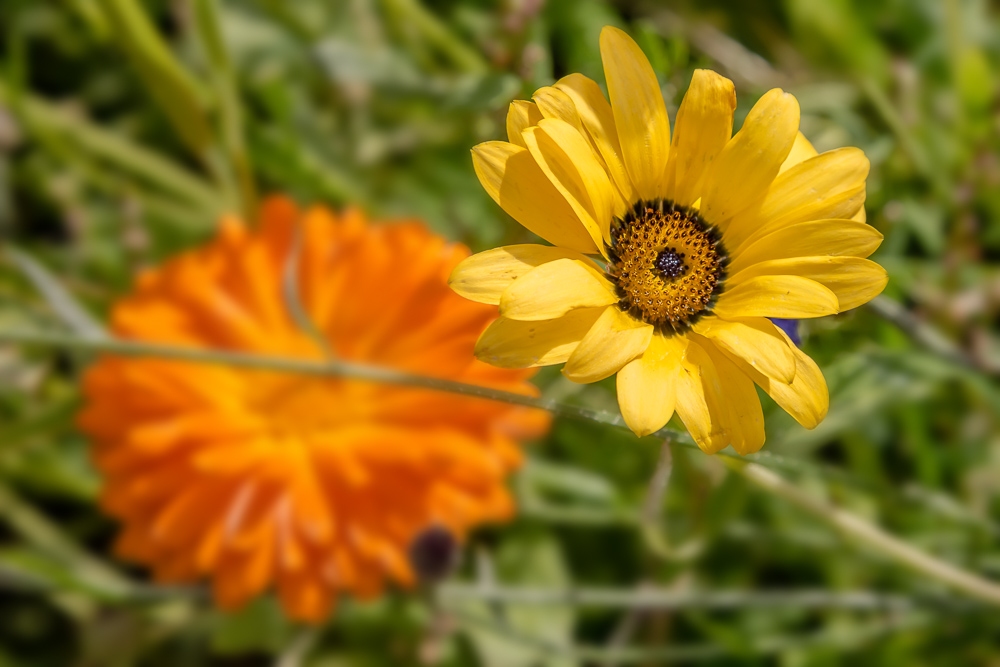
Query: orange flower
[[313, 486]]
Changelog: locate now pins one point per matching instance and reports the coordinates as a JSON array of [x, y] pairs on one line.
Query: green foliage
[[126, 128]]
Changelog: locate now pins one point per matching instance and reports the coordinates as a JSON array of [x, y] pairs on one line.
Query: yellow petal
[[557, 104], [716, 402], [704, 126], [515, 182], [855, 281], [554, 103], [520, 116], [755, 340], [484, 276], [746, 167], [801, 150], [810, 239], [806, 399], [599, 121], [701, 410], [553, 289], [639, 111], [838, 206], [746, 418], [806, 192], [792, 297], [513, 344], [647, 385], [614, 340], [570, 165]]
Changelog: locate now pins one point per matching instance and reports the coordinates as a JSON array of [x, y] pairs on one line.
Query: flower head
[[312, 486], [699, 238]]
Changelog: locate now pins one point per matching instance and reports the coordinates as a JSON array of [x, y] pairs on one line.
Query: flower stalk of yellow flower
[[699, 237]]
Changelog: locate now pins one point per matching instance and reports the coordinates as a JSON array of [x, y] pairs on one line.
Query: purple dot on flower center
[[670, 264]]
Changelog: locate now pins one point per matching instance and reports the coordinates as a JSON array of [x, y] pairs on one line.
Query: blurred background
[[127, 127]]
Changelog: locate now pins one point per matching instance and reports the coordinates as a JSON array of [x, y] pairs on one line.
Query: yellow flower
[[699, 238]]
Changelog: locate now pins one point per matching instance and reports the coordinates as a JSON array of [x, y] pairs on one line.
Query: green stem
[[871, 535], [649, 598], [230, 109], [828, 639], [298, 650], [927, 336], [331, 368], [410, 13], [884, 107], [37, 530], [40, 116], [652, 529]]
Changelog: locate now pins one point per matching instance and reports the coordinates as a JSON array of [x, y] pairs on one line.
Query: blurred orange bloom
[[313, 486]]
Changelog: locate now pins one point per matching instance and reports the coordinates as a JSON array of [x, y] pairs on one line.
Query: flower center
[[668, 263]]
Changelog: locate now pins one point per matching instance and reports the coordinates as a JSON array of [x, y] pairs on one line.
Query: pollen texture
[[668, 264]]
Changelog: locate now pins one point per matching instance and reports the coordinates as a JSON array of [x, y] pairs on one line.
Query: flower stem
[[929, 337], [867, 533], [331, 368], [652, 531], [414, 15], [653, 598]]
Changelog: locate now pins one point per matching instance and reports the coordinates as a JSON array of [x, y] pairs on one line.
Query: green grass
[[126, 128]]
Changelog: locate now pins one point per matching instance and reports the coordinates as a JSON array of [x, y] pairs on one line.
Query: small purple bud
[[433, 554], [790, 327]]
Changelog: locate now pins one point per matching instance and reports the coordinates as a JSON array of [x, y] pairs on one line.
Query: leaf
[[62, 302], [47, 123], [260, 626], [28, 569], [568, 481], [512, 635], [177, 92]]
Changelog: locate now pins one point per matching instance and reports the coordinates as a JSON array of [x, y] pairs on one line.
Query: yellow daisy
[[669, 254]]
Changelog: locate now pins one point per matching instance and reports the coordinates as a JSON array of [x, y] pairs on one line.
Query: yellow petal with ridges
[[704, 126], [520, 116], [639, 110], [554, 103], [806, 399], [810, 239], [812, 179], [557, 104], [555, 288], [515, 344], [805, 192], [700, 400], [647, 386], [801, 150], [615, 339], [570, 165], [755, 340], [784, 296], [855, 281], [745, 168], [483, 277], [515, 181], [843, 205], [599, 121], [746, 418]]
